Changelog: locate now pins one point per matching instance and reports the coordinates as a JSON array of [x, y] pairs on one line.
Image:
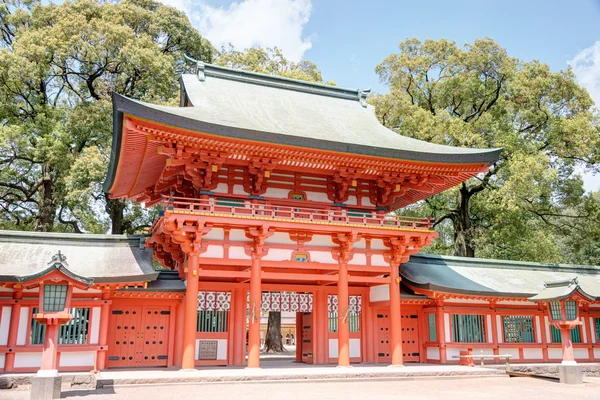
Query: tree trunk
[[463, 233], [115, 208], [274, 340], [44, 222]]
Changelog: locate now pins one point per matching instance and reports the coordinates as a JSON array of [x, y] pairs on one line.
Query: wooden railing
[[293, 213]]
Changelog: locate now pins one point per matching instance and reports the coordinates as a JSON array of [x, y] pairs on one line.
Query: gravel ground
[[500, 388]]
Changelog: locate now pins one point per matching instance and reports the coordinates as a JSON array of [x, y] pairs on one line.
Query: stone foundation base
[[570, 374], [45, 387]]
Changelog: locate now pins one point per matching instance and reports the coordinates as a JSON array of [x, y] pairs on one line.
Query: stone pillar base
[[45, 387], [570, 374]]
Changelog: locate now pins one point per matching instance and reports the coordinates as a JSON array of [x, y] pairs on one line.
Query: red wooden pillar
[[239, 326], [49, 365], [255, 306], [191, 313], [322, 327], [567, 346], [103, 333], [13, 330], [179, 328], [441, 330], [395, 323], [343, 312]]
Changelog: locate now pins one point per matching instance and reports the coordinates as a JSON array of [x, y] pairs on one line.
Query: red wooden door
[[307, 338], [154, 337], [410, 338], [383, 336]]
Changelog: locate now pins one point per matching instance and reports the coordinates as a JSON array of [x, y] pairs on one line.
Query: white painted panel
[[547, 327], [433, 353], [281, 238], [488, 328], [585, 339], [322, 256], [377, 260], [333, 348], [358, 259], [277, 193], [23, 324], [555, 354], [447, 327], [96, 312], [513, 352], [516, 303], [379, 293], [213, 251], [351, 201], [28, 360], [354, 347], [215, 234], [538, 329], [366, 202], [452, 354], [239, 189], [486, 352], [597, 354], [222, 188], [322, 240], [278, 255], [317, 196], [238, 235], [2, 359], [499, 328], [468, 301], [77, 358], [581, 354], [377, 244], [5, 325], [361, 244], [533, 354], [238, 252], [86, 291], [593, 330], [221, 349]]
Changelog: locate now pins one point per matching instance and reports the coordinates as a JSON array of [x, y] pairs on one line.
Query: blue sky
[[347, 38]]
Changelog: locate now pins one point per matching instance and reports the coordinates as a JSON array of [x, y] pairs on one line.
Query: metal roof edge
[[75, 237], [451, 290], [117, 136]]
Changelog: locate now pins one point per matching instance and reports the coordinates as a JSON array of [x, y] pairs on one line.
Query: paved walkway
[[494, 388]]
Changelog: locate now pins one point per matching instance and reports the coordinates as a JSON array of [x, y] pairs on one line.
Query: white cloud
[[586, 66], [248, 23]]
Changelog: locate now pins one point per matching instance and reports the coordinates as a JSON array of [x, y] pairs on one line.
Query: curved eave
[[545, 296], [124, 106], [452, 290]]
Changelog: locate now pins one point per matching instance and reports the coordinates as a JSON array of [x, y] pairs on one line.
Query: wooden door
[[384, 347], [410, 338], [154, 336], [307, 338], [125, 344]]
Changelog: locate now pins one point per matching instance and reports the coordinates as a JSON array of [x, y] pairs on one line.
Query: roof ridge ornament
[[198, 67], [58, 258], [362, 96]]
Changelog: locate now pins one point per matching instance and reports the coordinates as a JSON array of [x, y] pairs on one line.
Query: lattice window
[[575, 335], [597, 323], [353, 312], [73, 332], [518, 329], [55, 297], [212, 321], [353, 321], [468, 328], [555, 310], [571, 310], [432, 327], [38, 331]]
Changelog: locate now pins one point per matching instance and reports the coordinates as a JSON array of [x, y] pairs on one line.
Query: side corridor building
[[276, 195]]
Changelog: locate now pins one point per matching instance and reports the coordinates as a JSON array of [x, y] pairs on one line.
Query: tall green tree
[[479, 96], [59, 64]]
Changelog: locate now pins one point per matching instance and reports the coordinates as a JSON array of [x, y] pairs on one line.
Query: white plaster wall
[[23, 323], [213, 251], [488, 329], [366, 202], [238, 235], [377, 260], [238, 252], [433, 353], [452, 354], [581, 353], [447, 335], [278, 255], [533, 354], [215, 234], [276, 192], [239, 189], [585, 339], [377, 244], [5, 325], [317, 196], [499, 329], [77, 358], [513, 352], [486, 352], [333, 348], [221, 348], [351, 201], [516, 303], [322, 256], [555, 354], [379, 293], [280, 238], [96, 312], [538, 329], [222, 188], [468, 301], [358, 259], [547, 328], [322, 240], [2, 359], [28, 360], [354, 347], [594, 338], [361, 244], [596, 353]]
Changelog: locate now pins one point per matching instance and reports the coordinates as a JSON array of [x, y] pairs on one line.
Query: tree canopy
[[529, 204]]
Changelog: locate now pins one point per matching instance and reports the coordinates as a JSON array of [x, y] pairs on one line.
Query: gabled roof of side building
[[484, 277], [105, 258]]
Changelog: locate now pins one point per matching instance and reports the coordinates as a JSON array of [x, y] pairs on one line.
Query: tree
[[59, 65], [479, 96]]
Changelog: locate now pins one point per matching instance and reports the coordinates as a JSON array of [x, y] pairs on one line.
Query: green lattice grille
[[571, 310], [555, 310], [432, 327], [221, 201], [55, 297], [597, 323], [73, 332], [518, 329], [212, 321], [353, 322], [575, 335], [468, 328]]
